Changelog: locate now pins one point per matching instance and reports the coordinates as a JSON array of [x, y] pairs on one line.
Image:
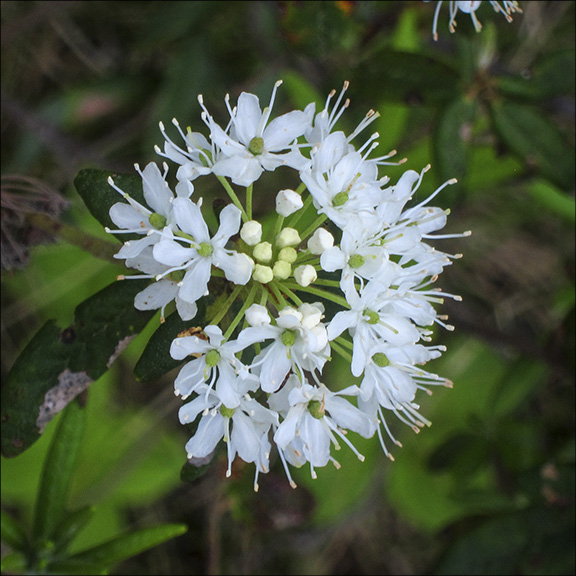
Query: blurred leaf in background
[[489, 488]]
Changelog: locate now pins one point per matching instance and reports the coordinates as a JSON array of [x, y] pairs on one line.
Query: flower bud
[[251, 232], [257, 315], [288, 254], [262, 274], [282, 270], [263, 252], [319, 241], [288, 237], [305, 275], [288, 202]]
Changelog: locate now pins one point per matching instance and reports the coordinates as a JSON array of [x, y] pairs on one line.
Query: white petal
[[156, 295], [195, 282], [210, 432], [189, 218], [247, 118], [282, 131]]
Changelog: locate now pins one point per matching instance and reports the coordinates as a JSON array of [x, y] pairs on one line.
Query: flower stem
[[319, 292], [247, 303], [233, 197]]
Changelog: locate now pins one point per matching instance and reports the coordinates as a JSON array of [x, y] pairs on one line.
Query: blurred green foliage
[[489, 488]]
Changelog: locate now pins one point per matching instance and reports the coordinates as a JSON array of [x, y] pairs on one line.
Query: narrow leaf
[[59, 466], [12, 532], [452, 139], [128, 545], [72, 523]]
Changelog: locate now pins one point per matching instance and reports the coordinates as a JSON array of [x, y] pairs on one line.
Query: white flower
[[371, 320], [132, 217], [470, 7], [244, 428], [196, 160], [348, 187], [161, 292], [391, 380], [300, 342], [217, 365], [254, 145], [202, 252], [315, 420]]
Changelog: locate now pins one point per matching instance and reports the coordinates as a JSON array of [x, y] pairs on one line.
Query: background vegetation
[[489, 488]]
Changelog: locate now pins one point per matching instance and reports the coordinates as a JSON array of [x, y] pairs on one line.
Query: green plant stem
[[233, 197]]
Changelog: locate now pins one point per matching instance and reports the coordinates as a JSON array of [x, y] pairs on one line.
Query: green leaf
[[12, 532], [59, 466], [57, 365], [552, 76], [407, 77], [93, 187], [553, 199], [452, 139], [14, 563], [534, 140], [127, 545]]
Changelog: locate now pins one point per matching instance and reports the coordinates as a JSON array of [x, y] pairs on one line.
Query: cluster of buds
[[343, 268]]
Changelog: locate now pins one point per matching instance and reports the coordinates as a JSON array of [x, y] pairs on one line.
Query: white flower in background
[[342, 267], [470, 7]]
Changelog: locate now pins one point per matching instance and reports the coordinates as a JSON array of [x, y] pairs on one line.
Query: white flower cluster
[[354, 280], [508, 8]]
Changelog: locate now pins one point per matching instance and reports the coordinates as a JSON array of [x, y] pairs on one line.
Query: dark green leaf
[[128, 545], [59, 466], [73, 568], [452, 139], [535, 141], [408, 77], [552, 76], [13, 533], [41, 369], [14, 563], [57, 365], [106, 323], [93, 187]]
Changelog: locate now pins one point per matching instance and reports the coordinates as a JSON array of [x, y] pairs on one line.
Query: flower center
[[157, 221], [340, 199], [226, 412], [380, 359], [371, 316], [316, 409], [356, 260], [212, 358], [256, 146], [205, 249], [288, 338], [176, 276]]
